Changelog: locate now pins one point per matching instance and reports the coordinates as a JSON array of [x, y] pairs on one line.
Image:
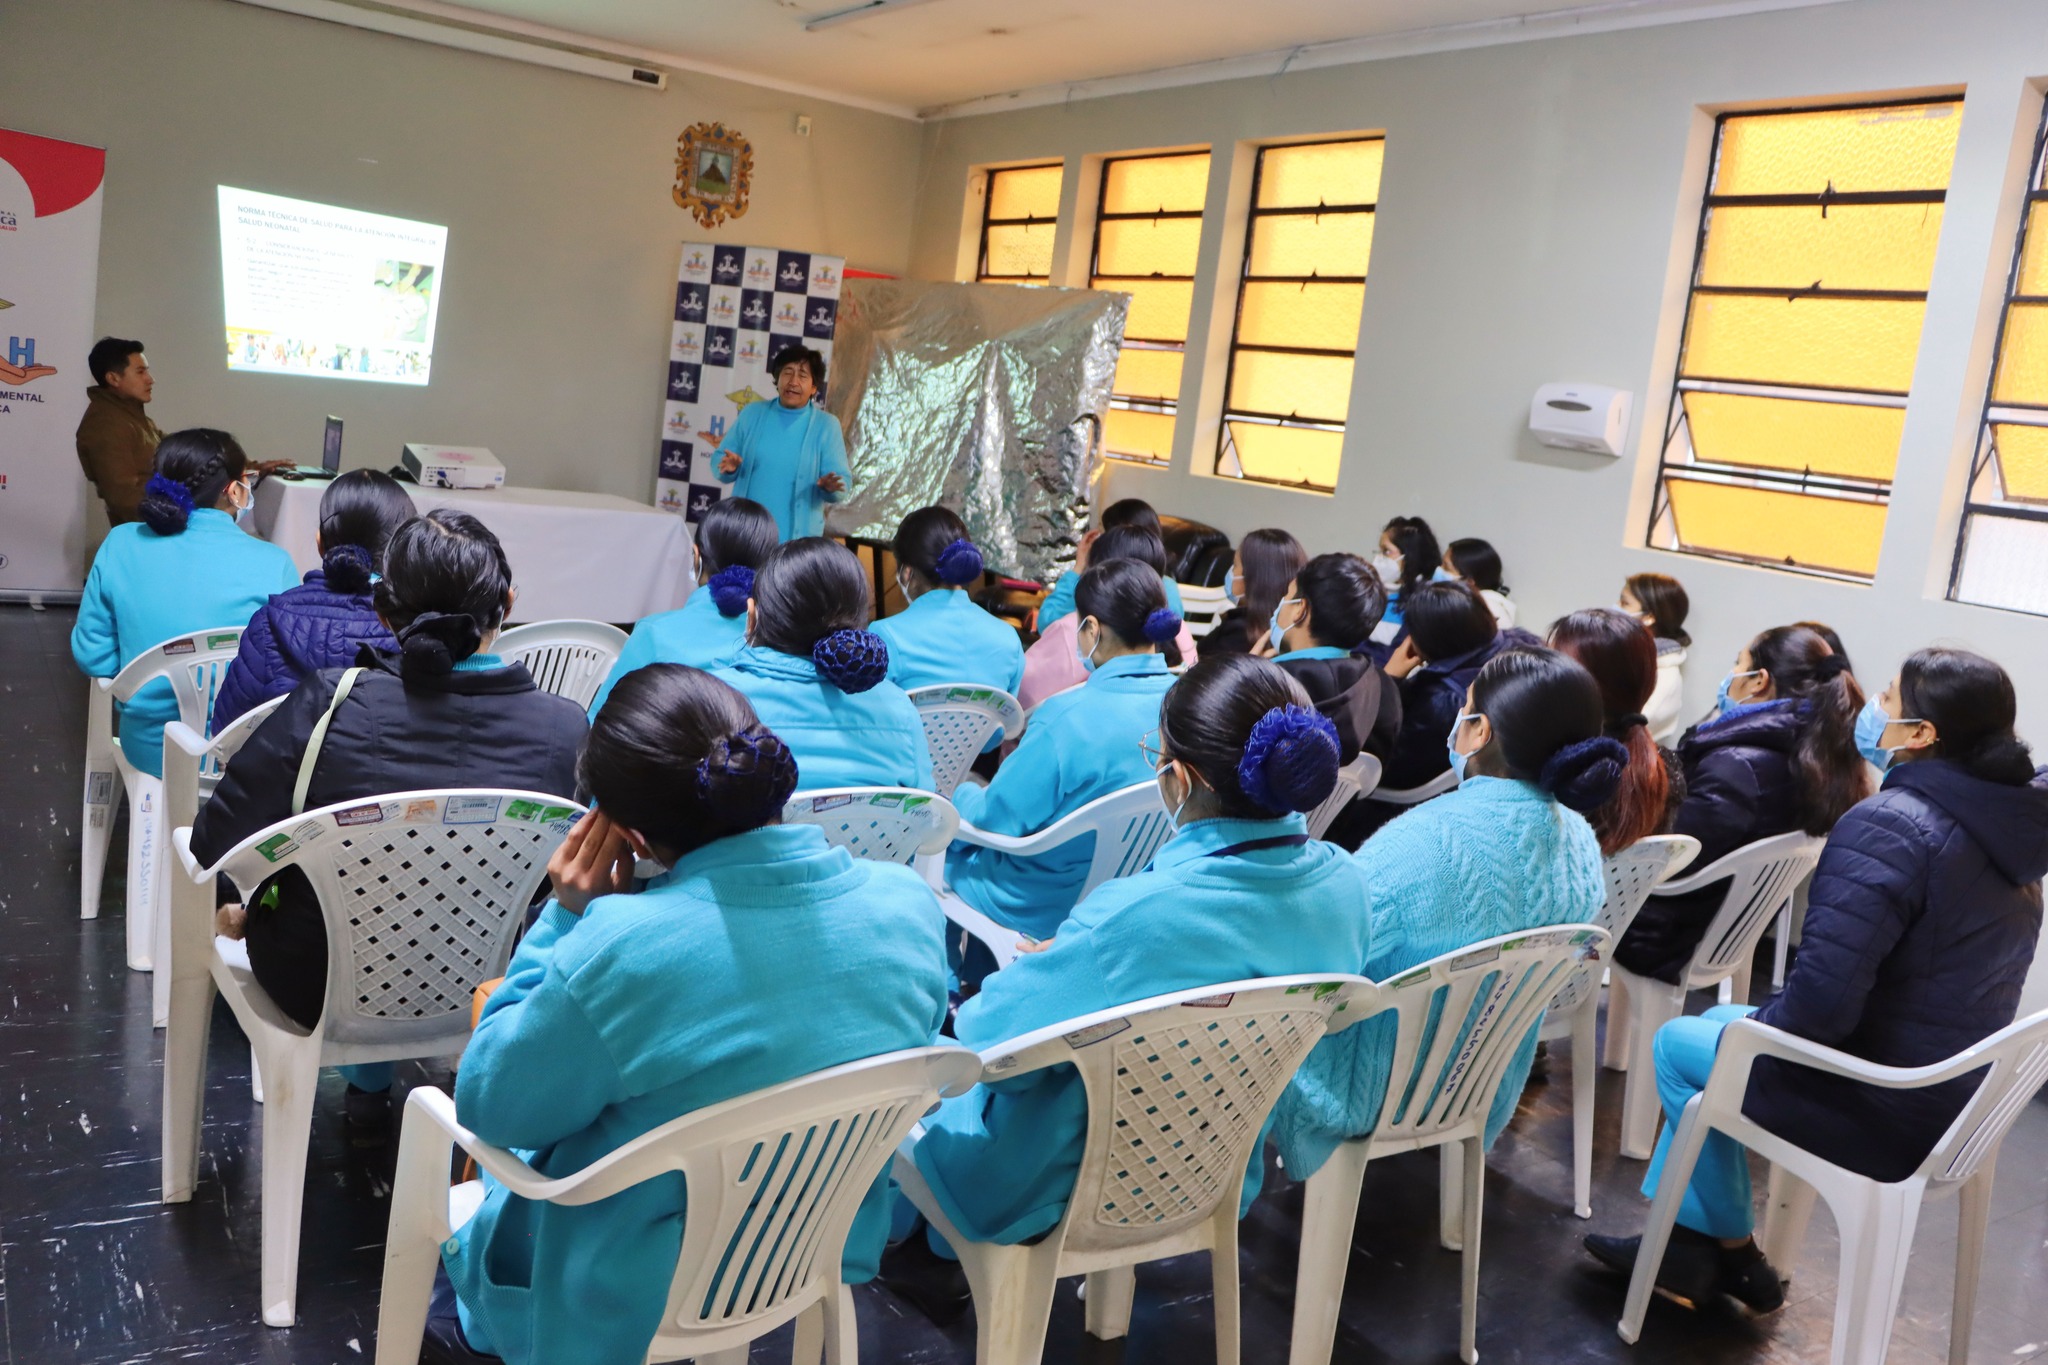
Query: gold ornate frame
[[714, 172]]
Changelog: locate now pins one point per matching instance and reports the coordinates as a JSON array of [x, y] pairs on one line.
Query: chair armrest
[[186, 738], [1022, 845], [1745, 1040], [438, 1108], [181, 841], [1415, 796]]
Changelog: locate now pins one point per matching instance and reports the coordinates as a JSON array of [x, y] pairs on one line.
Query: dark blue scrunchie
[[346, 568], [1584, 776], [163, 486], [852, 660], [747, 777], [1290, 760], [1162, 626], [730, 589], [958, 564]]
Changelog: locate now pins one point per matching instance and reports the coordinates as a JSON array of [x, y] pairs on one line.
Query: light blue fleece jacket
[[694, 634], [841, 739]]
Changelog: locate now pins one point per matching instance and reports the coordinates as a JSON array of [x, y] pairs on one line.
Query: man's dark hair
[[110, 354]]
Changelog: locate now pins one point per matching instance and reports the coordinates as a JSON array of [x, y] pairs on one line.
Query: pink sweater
[[1051, 666]]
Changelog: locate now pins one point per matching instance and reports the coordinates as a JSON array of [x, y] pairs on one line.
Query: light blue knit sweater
[[1493, 857]]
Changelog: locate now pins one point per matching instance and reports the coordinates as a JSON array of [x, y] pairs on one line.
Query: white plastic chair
[[1175, 1103], [1201, 608], [422, 892], [1761, 879], [1440, 1088], [1790, 920], [1575, 1010], [1415, 796], [842, 1125], [194, 666], [568, 658], [959, 720], [1360, 777], [1875, 1220], [885, 824], [1128, 825]]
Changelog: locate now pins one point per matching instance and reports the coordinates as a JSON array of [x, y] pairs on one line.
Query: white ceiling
[[930, 55]]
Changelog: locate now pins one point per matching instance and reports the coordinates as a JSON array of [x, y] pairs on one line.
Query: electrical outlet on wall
[[803, 125]]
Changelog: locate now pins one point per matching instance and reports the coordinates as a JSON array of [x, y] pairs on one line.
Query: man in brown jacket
[[116, 441]]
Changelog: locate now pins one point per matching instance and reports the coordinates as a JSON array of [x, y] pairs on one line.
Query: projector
[[452, 466]]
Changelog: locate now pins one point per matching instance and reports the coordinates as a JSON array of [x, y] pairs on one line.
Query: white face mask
[[1389, 570]]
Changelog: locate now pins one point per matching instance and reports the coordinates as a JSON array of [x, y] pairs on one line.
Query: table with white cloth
[[587, 556]]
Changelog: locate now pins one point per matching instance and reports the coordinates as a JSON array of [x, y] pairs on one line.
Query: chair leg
[[1788, 1205], [1655, 1004], [842, 1332], [145, 849], [1781, 948], [1585, 1072], [1474, 1150], [184, 1094], [1013, 1289], [1329, 1214], [1616, 1053], [96, 817], [1735, 990], [412, 1249], [1973, 1217], [1450, 1197], [1877, 1237], [287, 1129], [732, 1355], [255, 1077], [1677, 1174], [1107, 1310], [160, 948], [1223, 1279]]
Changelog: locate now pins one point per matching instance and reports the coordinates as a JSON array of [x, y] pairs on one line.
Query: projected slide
[[335, 293]]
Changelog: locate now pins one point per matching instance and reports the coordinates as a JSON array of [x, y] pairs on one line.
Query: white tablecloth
[[574, 555]]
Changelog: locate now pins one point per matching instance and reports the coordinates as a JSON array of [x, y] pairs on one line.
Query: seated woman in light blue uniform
[[760, 955], [1508, 850], [184, 568], [944, 635], [1240, 891], [732, 540], [1125, 512], [1080, 745], [788, 455], [819, 679]]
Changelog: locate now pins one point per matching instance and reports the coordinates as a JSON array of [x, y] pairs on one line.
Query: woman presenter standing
[[788, 455]]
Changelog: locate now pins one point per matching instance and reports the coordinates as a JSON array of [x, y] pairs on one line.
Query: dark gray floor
[[94, 1269]]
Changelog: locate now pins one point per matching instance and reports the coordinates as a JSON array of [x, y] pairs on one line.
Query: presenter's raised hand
[[832, 483], [729, 463]]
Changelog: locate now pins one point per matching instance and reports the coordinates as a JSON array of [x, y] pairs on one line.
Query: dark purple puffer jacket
[[294, 635]]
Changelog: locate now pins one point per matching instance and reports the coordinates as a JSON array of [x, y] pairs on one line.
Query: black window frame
[[1166, 407], [1764, 478], [988, 200], [1253, 214]]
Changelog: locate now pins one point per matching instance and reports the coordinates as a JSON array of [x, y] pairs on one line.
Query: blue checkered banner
[[736, 306]]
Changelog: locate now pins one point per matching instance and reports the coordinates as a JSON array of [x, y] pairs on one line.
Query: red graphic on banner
[[60, 175]]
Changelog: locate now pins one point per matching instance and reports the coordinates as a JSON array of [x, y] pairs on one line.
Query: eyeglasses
[[1154, 749]]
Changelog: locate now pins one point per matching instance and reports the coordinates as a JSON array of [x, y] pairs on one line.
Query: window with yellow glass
[[1019, 215], [1809, 286], [2002, 552], [1147, 233], [1299, 297]]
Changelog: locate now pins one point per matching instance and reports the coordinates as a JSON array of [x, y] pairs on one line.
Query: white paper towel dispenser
[[1587, 417]]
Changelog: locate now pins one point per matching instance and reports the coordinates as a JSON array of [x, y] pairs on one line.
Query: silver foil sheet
[[988, 398]]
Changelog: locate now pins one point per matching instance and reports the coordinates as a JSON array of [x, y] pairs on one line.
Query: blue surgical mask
[[1871, 722], [1086, 656], [1722, 699], [1230, 588], [1274, 630], [1442, 575], [1458, 760]]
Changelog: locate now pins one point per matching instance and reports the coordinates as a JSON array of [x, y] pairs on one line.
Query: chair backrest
[[567, 658], [1459, 1019], [1178, 1087], [887, 824], [1762, 878], [2018, 1059], [1415, 796], [1357, 778], [193, 665], [959, 719], [1129, 827], [1631, 874], [1202, 607], [422, 892], [229, 741]]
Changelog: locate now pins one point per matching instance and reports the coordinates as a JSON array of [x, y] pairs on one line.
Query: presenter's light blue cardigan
[[1493, 857], [783, 453]]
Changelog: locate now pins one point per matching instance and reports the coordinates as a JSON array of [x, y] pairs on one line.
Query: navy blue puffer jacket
[[1920, 928], [293, 636]]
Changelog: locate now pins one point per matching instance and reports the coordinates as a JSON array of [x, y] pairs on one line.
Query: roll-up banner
[[50, 193]]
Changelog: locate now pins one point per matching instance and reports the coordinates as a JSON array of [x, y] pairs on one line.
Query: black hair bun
[[1584, 776], [747, 777], [347, 568], [1829, 667], [958, 564], [852, 660], [436, 641]]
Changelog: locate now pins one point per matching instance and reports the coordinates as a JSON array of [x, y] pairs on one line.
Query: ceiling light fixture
[[859, 11]]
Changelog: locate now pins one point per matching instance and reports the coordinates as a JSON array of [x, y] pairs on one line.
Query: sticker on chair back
[[1212, 1002], [99, 788], [1477, 957], [372, 814], [470, 810], [1322, 990], [819, 803], [181, 647], [1095, 1033], [888, 800], [535, 813], [422, 810], [277, 846], [308, 832], [225, 641]]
